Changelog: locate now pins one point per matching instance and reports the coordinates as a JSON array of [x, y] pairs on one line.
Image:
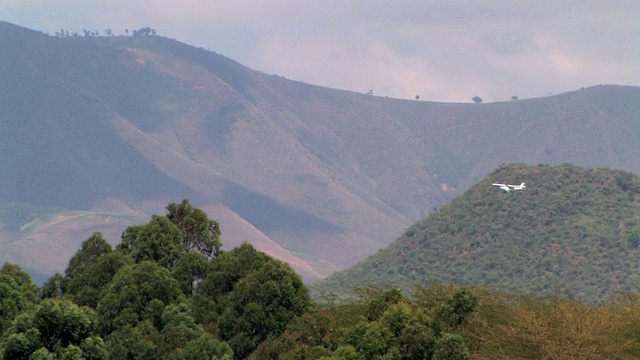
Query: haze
[[440, 50]]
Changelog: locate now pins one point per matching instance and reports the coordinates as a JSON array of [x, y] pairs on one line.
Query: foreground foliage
[[157, 296]]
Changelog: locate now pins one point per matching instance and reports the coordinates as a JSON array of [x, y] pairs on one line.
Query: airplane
[[508, 188]]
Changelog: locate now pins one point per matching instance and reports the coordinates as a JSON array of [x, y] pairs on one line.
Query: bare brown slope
[[264, 172], [238, 230]]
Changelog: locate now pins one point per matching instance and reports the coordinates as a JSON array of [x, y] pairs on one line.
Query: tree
[[92, 248], [378, 300], [417, 339], [317, 327], [86, 287], [54, 288], [370, 339], [70, 352], [514, 98], [261, 305], [135, 342], [55, 326], [633, 238], [417, 97], [457, 308], [128, 296], [185, 339], [226, 270], [17, 346], [205, 347], [178, 326], [158, 241], [402, 331], [23, 279], [176, 336], [42, 354], [144, 31], [13, 300], [451, 347], [198, 232], [94, 348], [62, 323], [477, 99], [189, 270], [345, 352]]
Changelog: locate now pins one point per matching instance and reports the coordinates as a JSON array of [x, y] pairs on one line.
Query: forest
[[574, 232], [168, 291]]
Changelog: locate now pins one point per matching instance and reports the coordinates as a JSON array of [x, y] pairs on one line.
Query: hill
[[103, 131], [573, 232]]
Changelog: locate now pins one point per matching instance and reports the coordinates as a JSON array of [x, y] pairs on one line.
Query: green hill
[[573, 232]]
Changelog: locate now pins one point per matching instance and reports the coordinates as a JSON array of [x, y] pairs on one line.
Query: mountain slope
[[329, 176], [574, 231]]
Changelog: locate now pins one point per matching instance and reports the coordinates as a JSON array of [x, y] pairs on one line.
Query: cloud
[[460, 49], [367, 65]]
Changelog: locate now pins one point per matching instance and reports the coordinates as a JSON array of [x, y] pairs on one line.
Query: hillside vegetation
[[574, 232]]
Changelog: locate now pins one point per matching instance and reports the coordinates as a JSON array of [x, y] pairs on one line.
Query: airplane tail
[[522, 185]]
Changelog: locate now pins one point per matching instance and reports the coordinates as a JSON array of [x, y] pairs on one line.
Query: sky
[[448, 50]]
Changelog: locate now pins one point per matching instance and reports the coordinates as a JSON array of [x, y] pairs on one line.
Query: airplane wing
[[499, 185]]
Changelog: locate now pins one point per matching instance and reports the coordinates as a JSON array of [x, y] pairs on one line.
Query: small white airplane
[[508, 188]]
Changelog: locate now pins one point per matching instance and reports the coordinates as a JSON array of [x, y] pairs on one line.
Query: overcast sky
[[449, 50]]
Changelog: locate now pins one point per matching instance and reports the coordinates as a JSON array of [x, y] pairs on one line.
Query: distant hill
[[574, 232], [97, 133]]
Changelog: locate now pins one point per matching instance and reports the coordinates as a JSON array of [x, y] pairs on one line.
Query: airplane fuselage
[[509, 187]]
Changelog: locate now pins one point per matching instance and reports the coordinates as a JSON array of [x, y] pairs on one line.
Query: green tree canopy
[[132, 290], [55, 326], [54, 288], [457, 307], [205, 347], [158, 241], [13, 300], [451, 347], [198, 232], [92, 248], [94, 348], [178, 326], [189, 270], [135, 342], [261, 305], [22, 278], [85, 288], [228, 268], [63, 323]]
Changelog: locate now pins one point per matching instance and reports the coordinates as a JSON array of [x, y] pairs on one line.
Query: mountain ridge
[[328, 175]]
